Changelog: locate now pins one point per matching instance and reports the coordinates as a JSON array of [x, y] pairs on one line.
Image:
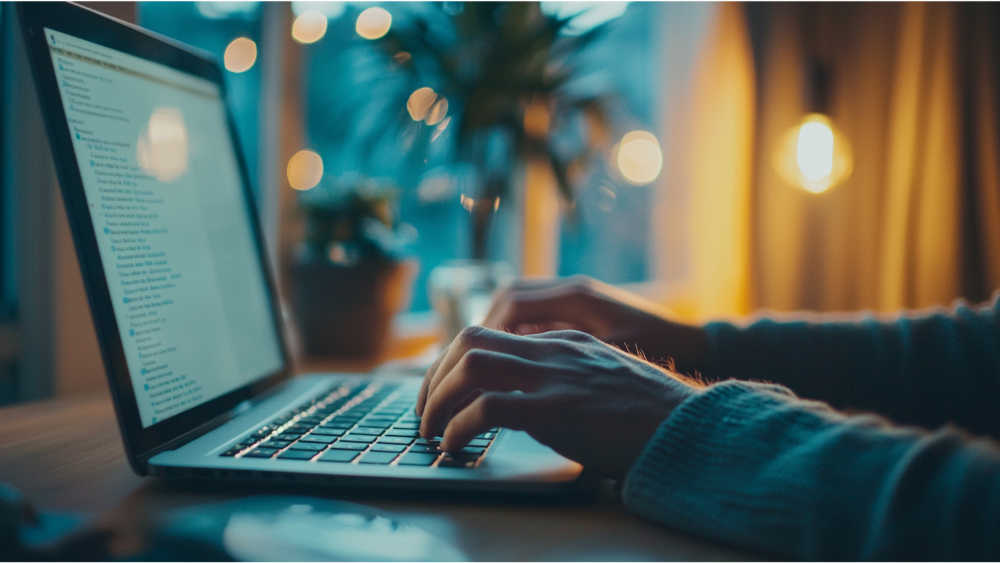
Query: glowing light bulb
[[305, 170], [373, 23], [240, 55], [639, 158], [309, 27], [814, 155]]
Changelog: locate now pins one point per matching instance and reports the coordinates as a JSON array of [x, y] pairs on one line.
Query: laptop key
[[319, 439], [378, 458], [341, 456], [403, 433], [340, 445], [381, 419], [414, 458], [473, 451], [367, 431], [361, 438], [408, 425], [487, 436], [425, 441], [395, 440], [338, 424], [479, 443], [232, 452], [374, 424], [398, 448], [308, 446], [303, 455], [329, 431], [262, 452]]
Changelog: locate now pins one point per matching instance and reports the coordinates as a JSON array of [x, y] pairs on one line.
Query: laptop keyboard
[[371, 424]]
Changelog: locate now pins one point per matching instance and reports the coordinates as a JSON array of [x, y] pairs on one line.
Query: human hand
[[611, 314], [587, 400]]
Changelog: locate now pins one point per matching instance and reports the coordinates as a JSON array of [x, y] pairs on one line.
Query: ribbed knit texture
[[928, 368], [753, 465]]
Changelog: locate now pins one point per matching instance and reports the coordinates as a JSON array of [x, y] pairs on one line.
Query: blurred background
[[717, 158]]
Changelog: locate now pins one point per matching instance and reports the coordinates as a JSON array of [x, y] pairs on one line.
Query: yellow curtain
[[918, 221], [703, 209]]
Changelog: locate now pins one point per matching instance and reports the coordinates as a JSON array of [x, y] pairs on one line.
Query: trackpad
[[522, 443]]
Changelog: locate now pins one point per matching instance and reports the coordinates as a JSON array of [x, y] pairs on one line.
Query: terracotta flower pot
[[346, 311]]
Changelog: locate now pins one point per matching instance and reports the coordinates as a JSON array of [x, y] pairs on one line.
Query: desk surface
[[66, 454]]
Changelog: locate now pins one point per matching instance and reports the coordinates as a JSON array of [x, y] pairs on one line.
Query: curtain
[[918, 221]]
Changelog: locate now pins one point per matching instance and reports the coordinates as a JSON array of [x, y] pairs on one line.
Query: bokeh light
[[420, 102], [162, 148], [814, 150], [309, 27], [814, 156], [438, 111], [305, 170], [373, 23], [240, 55], [639, 157]]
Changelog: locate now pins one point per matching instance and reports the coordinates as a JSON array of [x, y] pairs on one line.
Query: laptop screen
[[167, 202]]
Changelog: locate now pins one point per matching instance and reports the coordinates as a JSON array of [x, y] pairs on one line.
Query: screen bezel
[[83, 23]]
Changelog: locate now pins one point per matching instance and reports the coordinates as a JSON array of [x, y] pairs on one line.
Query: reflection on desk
[[66, 454]]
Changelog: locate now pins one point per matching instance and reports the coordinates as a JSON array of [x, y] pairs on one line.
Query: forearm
[[924, 369], [752, 465]]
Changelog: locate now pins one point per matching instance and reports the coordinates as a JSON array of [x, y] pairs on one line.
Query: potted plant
[[497, 81], [350, 273], [497, 84]]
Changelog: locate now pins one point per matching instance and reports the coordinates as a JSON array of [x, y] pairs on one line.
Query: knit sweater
[[753, 465]]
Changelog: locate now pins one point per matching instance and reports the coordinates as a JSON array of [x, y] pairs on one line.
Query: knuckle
[[469, 336], [475, 360]]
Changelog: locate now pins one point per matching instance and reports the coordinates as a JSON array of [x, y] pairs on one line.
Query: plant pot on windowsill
[[346, 309], [349, 277]]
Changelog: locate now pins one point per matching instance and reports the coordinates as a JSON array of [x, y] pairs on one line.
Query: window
[[608, 235], [349, 87]]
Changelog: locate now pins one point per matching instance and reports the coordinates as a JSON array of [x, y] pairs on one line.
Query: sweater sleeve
[[752, 465], [927, 368]]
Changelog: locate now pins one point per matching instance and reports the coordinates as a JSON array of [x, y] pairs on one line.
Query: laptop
[[169, 242]]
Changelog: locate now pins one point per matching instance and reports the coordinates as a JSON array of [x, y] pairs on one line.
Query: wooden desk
[[66, 454]]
